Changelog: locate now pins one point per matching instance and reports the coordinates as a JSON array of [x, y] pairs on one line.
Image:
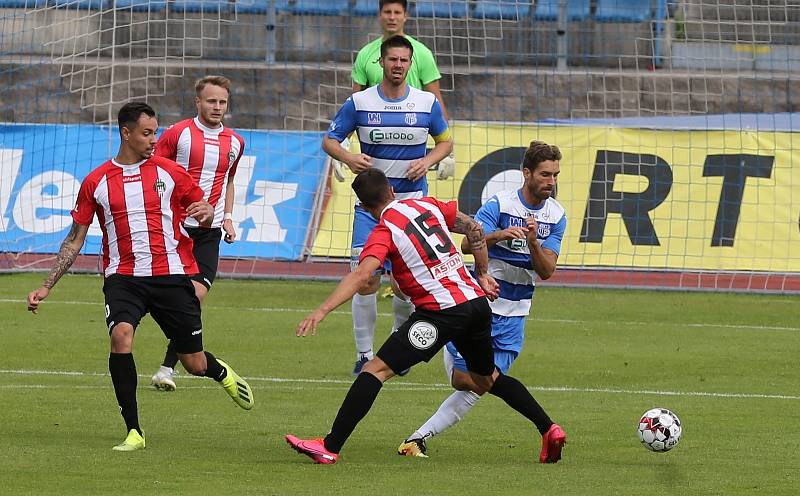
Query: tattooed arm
[[70, 248], [466, 225]]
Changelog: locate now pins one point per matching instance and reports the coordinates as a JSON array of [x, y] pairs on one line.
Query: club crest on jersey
[[543, 230], [160, 187], [231, 158], [447, 267], [373, 118], [411, 119], [422, 335]]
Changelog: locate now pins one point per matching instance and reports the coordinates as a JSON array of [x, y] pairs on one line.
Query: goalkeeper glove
[[339, 168], [447, 167]]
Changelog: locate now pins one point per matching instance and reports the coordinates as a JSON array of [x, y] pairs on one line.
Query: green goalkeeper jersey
[[367, 70]]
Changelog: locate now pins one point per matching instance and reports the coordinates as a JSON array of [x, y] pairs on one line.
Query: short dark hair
[[404, 3], [129, 114], [220, 81], [396, 41], [371, 187], [538, 152]]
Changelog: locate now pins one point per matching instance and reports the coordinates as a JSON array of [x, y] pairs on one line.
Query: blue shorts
[[508, 334], [363, 224]]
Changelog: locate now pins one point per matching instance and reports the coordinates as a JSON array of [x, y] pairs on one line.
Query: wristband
[[227, 216]]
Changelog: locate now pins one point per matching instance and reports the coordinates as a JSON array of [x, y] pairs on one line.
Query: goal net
[[678, 122]]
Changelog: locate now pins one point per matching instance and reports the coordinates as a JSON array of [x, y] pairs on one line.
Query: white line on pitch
[[417, 386], [384, 314]]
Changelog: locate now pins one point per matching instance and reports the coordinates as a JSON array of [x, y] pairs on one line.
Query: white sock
[[449, 413], [401, 309], [365, 313]]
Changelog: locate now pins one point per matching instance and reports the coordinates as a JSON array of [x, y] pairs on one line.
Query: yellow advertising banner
[[635, 198]]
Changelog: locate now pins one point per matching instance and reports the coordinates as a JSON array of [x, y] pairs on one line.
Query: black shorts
[[169, 299], [206, 253], [468, 326]]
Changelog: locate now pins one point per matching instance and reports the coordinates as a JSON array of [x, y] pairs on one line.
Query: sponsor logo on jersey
[[447, 267], [373, 117], [518, 244], [377, 136], [160, 187], [411, 119], [422, 335], [392, 107], [132, 179], [410, 105]]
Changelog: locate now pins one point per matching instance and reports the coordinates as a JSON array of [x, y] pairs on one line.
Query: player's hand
[[201, 211], [36, 297], [417, 169], [230, 232], [513, 232], [359, 162], [533, 227], [310, 323], [447, 167], [489, 286]]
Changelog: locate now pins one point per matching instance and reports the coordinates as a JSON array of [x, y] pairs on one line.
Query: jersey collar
[[206, 129], [526, 204], [391, 100]]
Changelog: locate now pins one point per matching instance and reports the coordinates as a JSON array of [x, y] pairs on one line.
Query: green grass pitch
[[596, 359]]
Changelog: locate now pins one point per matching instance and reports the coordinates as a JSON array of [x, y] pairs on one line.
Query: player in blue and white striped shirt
[[524, 229], [393, 121]]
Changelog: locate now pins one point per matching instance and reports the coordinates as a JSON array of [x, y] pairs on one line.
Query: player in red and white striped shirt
[[450, 305], [210, 152], [140, 202]]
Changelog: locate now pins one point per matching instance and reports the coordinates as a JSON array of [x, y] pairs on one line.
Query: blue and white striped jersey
[[393, 133], [510, 260]]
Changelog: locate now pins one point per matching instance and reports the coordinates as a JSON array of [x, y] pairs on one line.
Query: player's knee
[[122, 338], [482, 383], [378, 368]]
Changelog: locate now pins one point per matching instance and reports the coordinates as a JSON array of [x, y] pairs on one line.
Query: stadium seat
[[504, 11], [23, 4], [547, 10], [200, 6], [82, 4], [141, 5], [444, 9], [320, 7], [365, 8], [623, 11], [260, 6]]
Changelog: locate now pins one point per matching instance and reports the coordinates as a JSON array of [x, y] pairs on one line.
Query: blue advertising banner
[[41, 167]]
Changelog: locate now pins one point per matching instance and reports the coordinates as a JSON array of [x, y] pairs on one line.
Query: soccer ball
[[660, 430]]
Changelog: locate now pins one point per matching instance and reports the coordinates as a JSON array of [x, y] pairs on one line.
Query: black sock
[[355, 406], [213, 369], [170, 357], [123, 375], [517, 396]]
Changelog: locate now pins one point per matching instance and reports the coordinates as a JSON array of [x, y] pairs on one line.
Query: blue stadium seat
[[200, 6], [547, 10], [366, 8], [23, 4], [82, 4], [141, 5], [623, 11], [260, 6], [320, 7], [453, 9], [504, 10]]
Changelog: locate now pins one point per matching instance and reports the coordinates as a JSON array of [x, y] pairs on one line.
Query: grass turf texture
[[595, 359]]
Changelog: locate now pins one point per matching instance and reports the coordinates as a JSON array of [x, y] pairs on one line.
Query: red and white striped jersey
[[140, 208], [210, 156], [414, 234]]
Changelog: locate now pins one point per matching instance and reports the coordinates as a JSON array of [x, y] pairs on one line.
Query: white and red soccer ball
[[660, 430]]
